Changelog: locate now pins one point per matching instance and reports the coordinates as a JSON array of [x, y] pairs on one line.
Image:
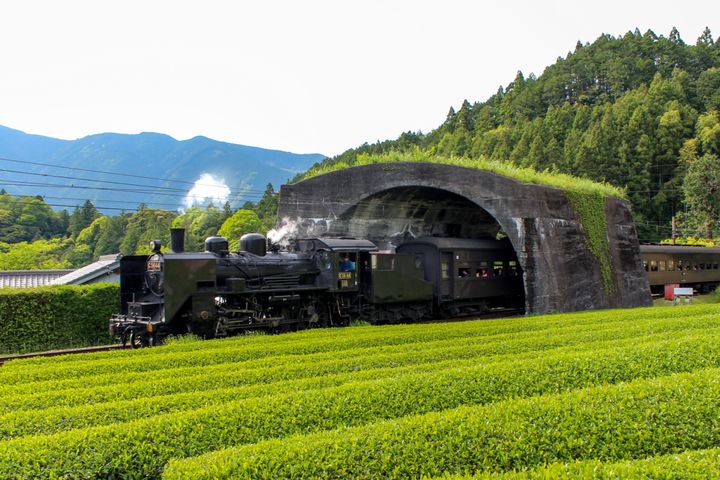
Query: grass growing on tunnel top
[[507, 169]]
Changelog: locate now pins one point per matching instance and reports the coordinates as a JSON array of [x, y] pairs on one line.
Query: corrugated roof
[[29, 278], [103, 267]]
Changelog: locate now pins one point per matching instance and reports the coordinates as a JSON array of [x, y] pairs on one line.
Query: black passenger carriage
[[469, 275]]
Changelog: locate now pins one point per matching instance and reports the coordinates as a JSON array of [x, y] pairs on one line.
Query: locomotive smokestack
[[177, 240]]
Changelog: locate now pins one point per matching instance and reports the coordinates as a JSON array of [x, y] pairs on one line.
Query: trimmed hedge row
[[128, 385], [266, 378], [609, 423], [207, 392], [36, 319], [693, 464], [20, 372], [314, 341], [139, 449]]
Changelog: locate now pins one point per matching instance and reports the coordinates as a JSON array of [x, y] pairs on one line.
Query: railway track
[[69, 351]]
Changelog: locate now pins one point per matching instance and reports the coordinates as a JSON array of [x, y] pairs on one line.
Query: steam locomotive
[[315, 282]]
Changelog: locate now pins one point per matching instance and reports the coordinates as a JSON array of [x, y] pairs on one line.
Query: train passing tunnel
[[392, 203], [401, 214]]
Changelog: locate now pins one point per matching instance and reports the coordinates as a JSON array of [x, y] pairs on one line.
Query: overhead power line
[[106, 172]]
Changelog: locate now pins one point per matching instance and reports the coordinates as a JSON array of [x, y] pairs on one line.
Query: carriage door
[[446, 278]]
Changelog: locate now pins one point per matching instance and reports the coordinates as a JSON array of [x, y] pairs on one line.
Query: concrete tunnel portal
[[388, 203]]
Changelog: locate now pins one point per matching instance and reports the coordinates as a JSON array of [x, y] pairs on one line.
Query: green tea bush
[[87, 386], [661, 415], [82, 414], [139, 449], [693, 464], [59, 317]]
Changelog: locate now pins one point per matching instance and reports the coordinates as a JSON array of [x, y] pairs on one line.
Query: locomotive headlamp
[[155, 246]]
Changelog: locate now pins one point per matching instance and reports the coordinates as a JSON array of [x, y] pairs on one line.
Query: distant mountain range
[[25, 170]]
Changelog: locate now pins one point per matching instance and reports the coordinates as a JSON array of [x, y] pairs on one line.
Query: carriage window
[[481, 272], [444, 270], [512, 268], [645, 266], [708, 266], [463, 272], [662, 265], [383, 262], [653, 266], [679, 265], [715, 266], [498, 269], [671, 265]]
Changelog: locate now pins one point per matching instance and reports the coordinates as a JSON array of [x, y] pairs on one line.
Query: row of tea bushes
[[645, 417], [144, 446], [692, 464], [126, 414], [86, 389]]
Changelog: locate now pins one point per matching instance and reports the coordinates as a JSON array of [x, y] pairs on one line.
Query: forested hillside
[[639, 111], [33, 236]]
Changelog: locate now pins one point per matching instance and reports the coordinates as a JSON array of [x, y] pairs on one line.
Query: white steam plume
[[207, 188]]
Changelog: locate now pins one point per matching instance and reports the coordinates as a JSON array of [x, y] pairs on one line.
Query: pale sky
[[301, 76]]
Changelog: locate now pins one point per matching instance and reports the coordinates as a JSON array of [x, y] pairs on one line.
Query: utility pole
[[674, 229]]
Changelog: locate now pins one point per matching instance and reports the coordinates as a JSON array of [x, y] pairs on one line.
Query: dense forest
[[34, 236], [639, 112]]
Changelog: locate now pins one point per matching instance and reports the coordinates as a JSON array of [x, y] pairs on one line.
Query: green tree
[[82, 217], [142, 227], [701, 188], [266, 209], [38, 255], [240, 223], [199, 224]]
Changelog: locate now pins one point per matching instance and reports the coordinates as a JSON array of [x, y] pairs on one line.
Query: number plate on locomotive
[[344, 275], [154, 266]]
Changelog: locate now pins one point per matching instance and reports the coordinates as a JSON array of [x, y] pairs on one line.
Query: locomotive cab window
[[348, 262]]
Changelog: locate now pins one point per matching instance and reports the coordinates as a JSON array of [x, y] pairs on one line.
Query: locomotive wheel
[[142, 340], [135, 340], [320, 317]]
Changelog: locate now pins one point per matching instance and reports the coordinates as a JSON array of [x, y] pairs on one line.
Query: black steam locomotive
[[317, 282]]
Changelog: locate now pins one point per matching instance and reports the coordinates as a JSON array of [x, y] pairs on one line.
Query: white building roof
[[105, 269], [29, 278]]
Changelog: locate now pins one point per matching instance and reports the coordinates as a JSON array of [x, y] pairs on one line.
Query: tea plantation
[[603, 394]]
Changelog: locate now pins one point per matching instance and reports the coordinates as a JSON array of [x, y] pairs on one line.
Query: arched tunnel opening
[[402, 214]]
